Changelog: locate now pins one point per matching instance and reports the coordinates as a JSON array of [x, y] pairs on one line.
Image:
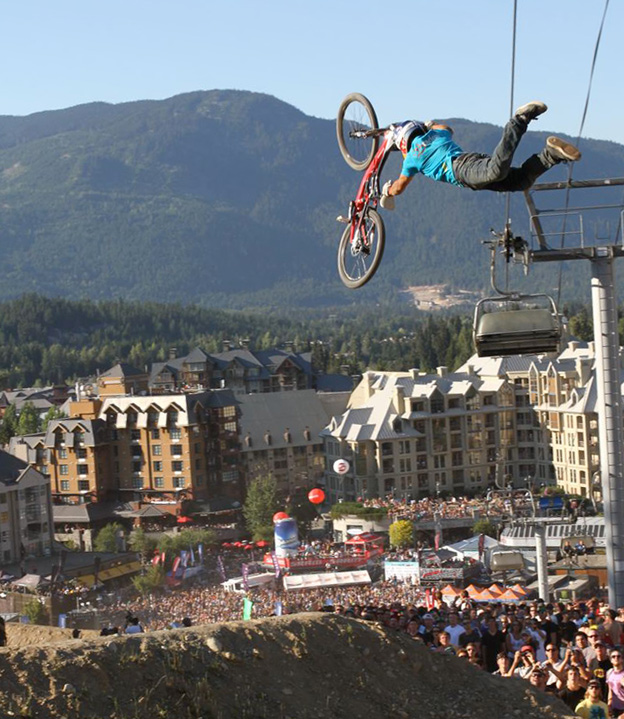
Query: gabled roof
[[197, 355], [122, 369], [276, 412], [11, 468]]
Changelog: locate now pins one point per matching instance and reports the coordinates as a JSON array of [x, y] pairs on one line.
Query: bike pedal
[[343, 219]]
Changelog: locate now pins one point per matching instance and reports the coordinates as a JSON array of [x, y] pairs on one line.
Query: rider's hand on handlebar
[[386, 200]]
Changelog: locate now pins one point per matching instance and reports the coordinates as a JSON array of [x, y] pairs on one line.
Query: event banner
[[401, 570]]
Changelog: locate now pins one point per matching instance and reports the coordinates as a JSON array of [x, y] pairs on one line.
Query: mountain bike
[[365, 147]]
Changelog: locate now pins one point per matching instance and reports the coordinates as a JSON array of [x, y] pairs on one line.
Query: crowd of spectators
[[428, 508], [571, 650]]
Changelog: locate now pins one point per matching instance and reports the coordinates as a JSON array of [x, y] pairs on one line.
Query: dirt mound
[[29, 635], [299, 667]]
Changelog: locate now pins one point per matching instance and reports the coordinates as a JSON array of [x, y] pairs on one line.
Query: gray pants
[[494, 172]]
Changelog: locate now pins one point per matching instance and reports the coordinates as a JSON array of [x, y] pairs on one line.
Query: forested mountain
[[229, 199], [46, 340]]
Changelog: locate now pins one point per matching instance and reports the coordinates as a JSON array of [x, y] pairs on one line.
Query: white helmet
[[405, 132]]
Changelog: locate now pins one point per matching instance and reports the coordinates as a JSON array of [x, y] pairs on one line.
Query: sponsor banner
[[245, 576], [200, 551], [247, 608], [401, 570], [439, 574]]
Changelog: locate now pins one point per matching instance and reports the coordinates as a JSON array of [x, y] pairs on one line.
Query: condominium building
[[559, 393], [412, 434], [280, 434], [25, 511]]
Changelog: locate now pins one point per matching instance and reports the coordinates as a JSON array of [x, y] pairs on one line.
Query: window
[[386, 449], [176, 450], [159, 482], [83, 470], [157, 466], [63, 469], [155, 434], [135, 435], [175, 433], [136, 467], [132, 419], [156, 449], [230, 476], [137, 482], [404, 446], [83, 485], [230, 426], [176, 466], [173, 419], [81, 453], [62, 453], [229, 411], [179, 482], [65, 485], [136, 451], [405, 464]]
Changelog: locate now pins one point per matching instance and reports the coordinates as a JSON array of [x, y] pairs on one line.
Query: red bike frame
[[368, 192]]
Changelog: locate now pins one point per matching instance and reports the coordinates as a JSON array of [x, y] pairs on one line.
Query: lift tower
[[607, 363]]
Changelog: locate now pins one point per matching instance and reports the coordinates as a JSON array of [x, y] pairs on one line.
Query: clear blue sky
[[428, 60]]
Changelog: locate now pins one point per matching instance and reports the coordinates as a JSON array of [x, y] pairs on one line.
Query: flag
[[221, 568], [276, 565], [481, 545], [429, 599], [279, 609], [247, 607], [162, 557], [192, 555], [176, 566], [245, 575], [200, 552], [156, 558], [184, 558]]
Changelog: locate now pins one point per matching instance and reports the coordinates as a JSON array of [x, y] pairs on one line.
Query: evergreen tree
[[107, 538], [29, 422], [260, 506], [8, 428]]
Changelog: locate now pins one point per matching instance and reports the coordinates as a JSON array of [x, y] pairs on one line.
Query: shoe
[[562, 151], [531, 110]]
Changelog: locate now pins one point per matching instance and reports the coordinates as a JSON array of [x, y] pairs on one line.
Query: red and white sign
[[341, 466]]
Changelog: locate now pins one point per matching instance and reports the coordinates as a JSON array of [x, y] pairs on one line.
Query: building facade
[[411, 434], [25, 511]]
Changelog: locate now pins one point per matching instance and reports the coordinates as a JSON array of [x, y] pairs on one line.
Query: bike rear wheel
[[356, 115], [358, 260]]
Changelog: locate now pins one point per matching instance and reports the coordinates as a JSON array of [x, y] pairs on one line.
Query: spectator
[[592, 707], [615, 677]]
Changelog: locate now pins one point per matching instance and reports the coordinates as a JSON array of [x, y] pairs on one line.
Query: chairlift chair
[[516, 324]]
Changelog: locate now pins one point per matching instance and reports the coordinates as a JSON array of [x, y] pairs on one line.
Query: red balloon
[[316, 496], [278, 516]]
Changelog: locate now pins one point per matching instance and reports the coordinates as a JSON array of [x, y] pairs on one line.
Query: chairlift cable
[[578, 139], [511, 111]]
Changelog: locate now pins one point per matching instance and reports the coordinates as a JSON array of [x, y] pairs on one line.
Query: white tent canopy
[[470, 547], [326, 579]]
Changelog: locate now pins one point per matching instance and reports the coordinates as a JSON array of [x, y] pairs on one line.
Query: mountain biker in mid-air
[[428, 149]]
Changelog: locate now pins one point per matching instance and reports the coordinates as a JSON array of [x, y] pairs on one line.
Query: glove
[[386, 201]]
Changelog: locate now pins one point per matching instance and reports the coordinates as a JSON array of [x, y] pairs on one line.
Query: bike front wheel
[[359, 259], [356, 117]]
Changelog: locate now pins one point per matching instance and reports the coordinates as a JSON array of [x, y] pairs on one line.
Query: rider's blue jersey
[[432, 155]]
